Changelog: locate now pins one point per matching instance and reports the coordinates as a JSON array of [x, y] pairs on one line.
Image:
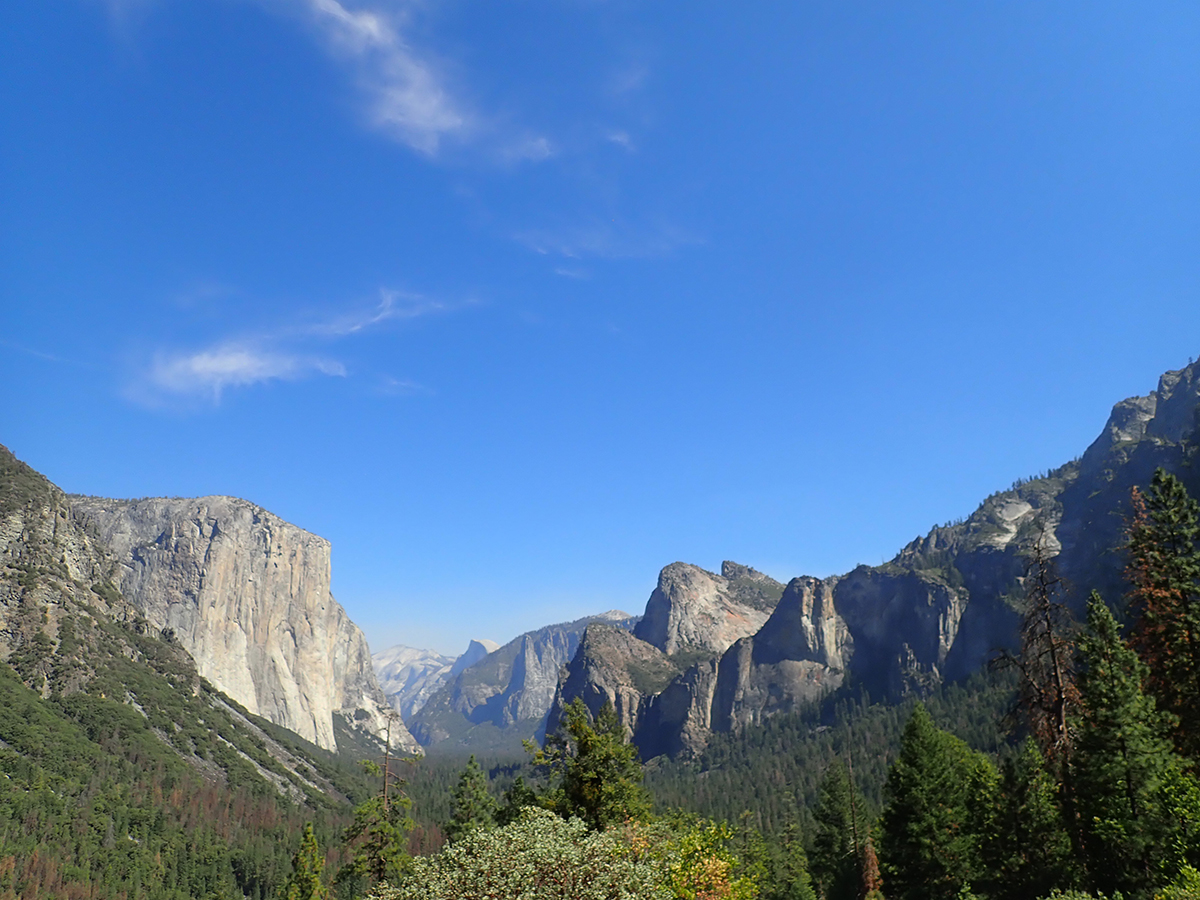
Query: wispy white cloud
[[572, 272], [206, 374], [628, 78], [401, 387], [621, 139], [285, 353], [392, 305], [606, 240], [530, 148], [407, 98], [30, 351]]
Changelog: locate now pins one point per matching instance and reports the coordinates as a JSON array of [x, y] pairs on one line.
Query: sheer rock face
[[247, 595], [663, 679], [908, 621], [613, 666], [476, 651], [798, 655], [692, 609], [679, 719], [511, 689]]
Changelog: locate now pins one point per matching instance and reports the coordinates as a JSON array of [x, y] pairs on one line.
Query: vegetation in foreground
[[1100, 800], [1095, 793]]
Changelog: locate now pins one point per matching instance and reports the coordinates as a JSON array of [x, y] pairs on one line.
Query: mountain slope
[[247, 595], [504, 698], [122, 770], [409, 677], [934, 613]]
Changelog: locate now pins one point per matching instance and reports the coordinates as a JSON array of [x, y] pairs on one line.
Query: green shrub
[[538, 857]]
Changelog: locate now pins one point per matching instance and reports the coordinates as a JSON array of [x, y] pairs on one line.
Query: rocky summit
[[719, 652], [504, 697], [409, 676], [243, 592], [692, 609]]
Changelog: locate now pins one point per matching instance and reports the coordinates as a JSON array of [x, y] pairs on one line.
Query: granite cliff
[[504, 697], [936, 612], [409, 677], [98, 666], [699, 611], [661, 677], [247, 595]]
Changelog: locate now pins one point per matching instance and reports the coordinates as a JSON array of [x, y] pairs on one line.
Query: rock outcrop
[[662, 679], [247, 595], [612, 666], [476, 650], [799, 655], [505, 697], [692, 609], [52, 564], [936, 612], [408, 676]]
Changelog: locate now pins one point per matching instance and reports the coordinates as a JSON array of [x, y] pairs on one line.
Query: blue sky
[[517, 302]]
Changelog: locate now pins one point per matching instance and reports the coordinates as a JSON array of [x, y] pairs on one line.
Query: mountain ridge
[[245, 593], [934, 613]]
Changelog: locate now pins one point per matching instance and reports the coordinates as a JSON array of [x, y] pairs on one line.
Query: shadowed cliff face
[[612, 666], [247, 595], [662, 678], [505, 696], [936, 612]]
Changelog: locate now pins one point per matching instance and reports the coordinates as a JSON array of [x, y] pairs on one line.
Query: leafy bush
[[544, 857], [538, 857]]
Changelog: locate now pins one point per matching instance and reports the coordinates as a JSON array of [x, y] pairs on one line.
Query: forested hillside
[[1072, 764]]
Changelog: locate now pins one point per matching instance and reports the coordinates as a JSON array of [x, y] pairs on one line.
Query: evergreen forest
[[1070, 768]]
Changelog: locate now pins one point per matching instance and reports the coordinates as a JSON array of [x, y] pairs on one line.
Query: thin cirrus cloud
[[392, 305], [208, 373], [205, 375], [607, 240], [406, 97]]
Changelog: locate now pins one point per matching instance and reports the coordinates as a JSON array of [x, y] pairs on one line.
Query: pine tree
[[787, 876], [938, 793], [519, 796], [870, 885], [834, 859], [1122, 759], [1028, 851], [378, 835], [1045, 663], [1164, 571], [599, 774], [305, 882], [473, 806]]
